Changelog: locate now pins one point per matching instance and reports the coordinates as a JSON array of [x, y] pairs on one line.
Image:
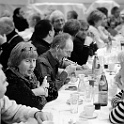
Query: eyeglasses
[[84, 29], [28, 49], [59, 20]]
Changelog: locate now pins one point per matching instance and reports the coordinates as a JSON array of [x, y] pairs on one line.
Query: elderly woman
[[58, 20], [24, 87], [117, 114], [95, 19]]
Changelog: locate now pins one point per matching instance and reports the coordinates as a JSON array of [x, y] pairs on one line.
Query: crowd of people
[[39, 53]]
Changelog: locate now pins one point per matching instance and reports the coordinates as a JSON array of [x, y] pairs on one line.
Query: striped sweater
[[117, 114]]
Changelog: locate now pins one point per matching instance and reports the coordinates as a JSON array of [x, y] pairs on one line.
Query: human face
[[117, 13], [66, 52], [21, 13], [3, 84], [58, 23], [69, 16], [27, 66], [98, 23], [83, 31], [104, 21]]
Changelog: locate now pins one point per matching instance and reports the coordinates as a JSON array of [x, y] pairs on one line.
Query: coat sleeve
[[22, 94], [11, 112], [116, 116], [117, 99], [55, 83]]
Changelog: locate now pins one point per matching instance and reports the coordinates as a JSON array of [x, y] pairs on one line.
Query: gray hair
[[56, 14], [6, 24], [60, 40]]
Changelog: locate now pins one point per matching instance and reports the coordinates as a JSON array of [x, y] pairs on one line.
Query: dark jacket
[[12, 40], [48, 66], [19, 89], [80, 52], [41, 45]]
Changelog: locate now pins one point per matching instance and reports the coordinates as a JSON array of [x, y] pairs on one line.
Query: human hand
[[29, 121], [43, 116], [40, 91], [88, 41], [70, 69], [85, 67], [3, 39]]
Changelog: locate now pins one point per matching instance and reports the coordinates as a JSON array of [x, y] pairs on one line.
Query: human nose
[[32, 64], [7, 83]]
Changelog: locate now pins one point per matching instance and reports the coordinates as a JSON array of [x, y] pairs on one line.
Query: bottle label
[[103, 97]]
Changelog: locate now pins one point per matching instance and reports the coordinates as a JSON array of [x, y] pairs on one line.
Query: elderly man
[[7, 29], [10, 112], [58, 20], [49, 62]]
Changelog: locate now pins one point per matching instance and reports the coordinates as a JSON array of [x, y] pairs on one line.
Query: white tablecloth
[[61, 110], [109, 4], [64, 7]]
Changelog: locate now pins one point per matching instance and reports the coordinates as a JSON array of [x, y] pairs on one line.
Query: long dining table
[[61, 110]]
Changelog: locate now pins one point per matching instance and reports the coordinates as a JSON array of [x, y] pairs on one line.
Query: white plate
[[83, 115]]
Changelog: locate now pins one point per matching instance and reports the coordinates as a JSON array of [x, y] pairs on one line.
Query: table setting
[[76, 102], [76, 106]]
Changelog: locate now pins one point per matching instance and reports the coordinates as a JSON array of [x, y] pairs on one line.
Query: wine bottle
[[103, 90], [96, 66]]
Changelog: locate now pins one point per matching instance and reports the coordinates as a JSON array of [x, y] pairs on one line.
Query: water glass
[[74, 98]]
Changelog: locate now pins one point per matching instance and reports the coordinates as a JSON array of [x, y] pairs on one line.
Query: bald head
[[6, 25]]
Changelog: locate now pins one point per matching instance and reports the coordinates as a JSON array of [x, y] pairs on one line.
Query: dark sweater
[[20, 87], [41, 45], [80, 52]]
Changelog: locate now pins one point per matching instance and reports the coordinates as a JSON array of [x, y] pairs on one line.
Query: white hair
[[55, 14]]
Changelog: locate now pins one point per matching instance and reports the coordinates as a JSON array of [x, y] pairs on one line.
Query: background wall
[[85, 2], [12, 4]]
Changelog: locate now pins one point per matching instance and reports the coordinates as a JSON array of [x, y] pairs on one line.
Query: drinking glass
[[74, 98]]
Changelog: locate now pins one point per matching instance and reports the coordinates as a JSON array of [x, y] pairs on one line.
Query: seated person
[[104, 11], [19, 19], [115, 21], [78, 31], [24, 87], [117, 114], [72, 15], [49, 62], [95, 20], [43, 36], [11, 112], [10, 39], [58, 20], [32, 19]]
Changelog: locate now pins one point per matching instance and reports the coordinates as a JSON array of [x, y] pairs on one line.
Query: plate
[[73, 88], [83, 115], [79, 102]]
